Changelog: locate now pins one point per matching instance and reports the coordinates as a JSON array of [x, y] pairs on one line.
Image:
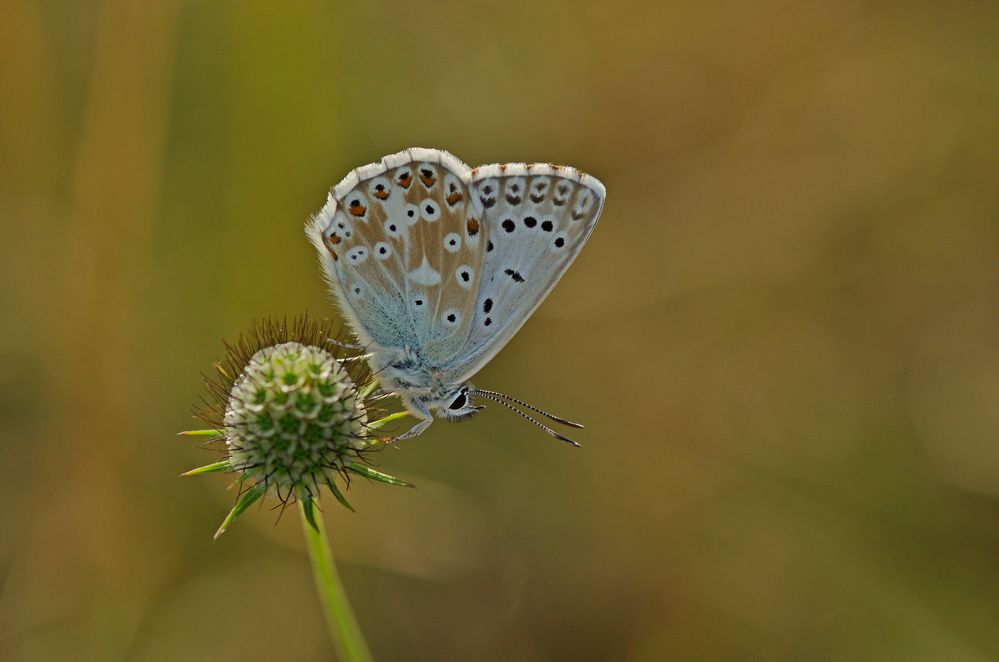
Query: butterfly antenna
[[557, 419], [489, 395]]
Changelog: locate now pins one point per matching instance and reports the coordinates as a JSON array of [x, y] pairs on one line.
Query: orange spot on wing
[[405, 180], [455, 198], [332, 252], [357, 210], [381, 195], [329, 242], [427, 181], [472, 226]]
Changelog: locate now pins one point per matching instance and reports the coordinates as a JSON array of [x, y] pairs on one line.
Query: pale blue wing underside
[[536, 218], [423, 253], [400, 245]]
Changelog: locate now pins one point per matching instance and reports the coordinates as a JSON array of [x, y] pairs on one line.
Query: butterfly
[[436, 266]]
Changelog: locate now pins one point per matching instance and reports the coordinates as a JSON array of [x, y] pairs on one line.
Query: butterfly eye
[[458, 402]]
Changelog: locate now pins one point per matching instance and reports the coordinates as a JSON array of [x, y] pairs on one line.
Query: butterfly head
[[455, 405]]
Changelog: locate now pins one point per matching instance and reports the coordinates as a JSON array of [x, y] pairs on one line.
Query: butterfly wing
[[401, 246], [535, 220]]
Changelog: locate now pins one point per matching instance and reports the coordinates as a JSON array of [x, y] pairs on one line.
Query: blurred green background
[[783, 335]]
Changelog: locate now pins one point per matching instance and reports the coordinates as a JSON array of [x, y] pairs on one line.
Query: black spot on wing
[[515, 275]]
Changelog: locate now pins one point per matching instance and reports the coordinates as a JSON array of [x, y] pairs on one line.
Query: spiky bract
[[293, 413]]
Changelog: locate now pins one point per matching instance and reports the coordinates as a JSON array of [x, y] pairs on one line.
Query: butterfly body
[[436, 265]]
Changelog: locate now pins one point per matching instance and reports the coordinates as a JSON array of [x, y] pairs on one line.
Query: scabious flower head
[[293, 419], [293, 414]]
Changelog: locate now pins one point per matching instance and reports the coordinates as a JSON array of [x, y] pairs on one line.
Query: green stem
[[344, 630]]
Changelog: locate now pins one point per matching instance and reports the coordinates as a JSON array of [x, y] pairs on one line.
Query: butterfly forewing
[[536, 218], [402, 247]]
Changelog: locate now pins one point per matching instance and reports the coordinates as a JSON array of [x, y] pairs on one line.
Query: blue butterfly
[[437, 265]]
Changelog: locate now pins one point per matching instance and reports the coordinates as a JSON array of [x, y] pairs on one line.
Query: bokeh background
[[783, 335]]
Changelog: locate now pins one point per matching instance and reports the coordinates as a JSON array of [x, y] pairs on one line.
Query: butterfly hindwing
[[401, 246], [536, 218]]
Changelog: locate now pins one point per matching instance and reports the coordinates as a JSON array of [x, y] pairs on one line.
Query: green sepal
[[339, 495], [201, 433], [368, 472], [209, 468], [309, 510], [382, 422], [367, 390], [245, 501]]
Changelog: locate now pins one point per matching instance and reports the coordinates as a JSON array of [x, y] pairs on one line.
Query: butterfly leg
[[347, 345], [414, 431], [418, 409]]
